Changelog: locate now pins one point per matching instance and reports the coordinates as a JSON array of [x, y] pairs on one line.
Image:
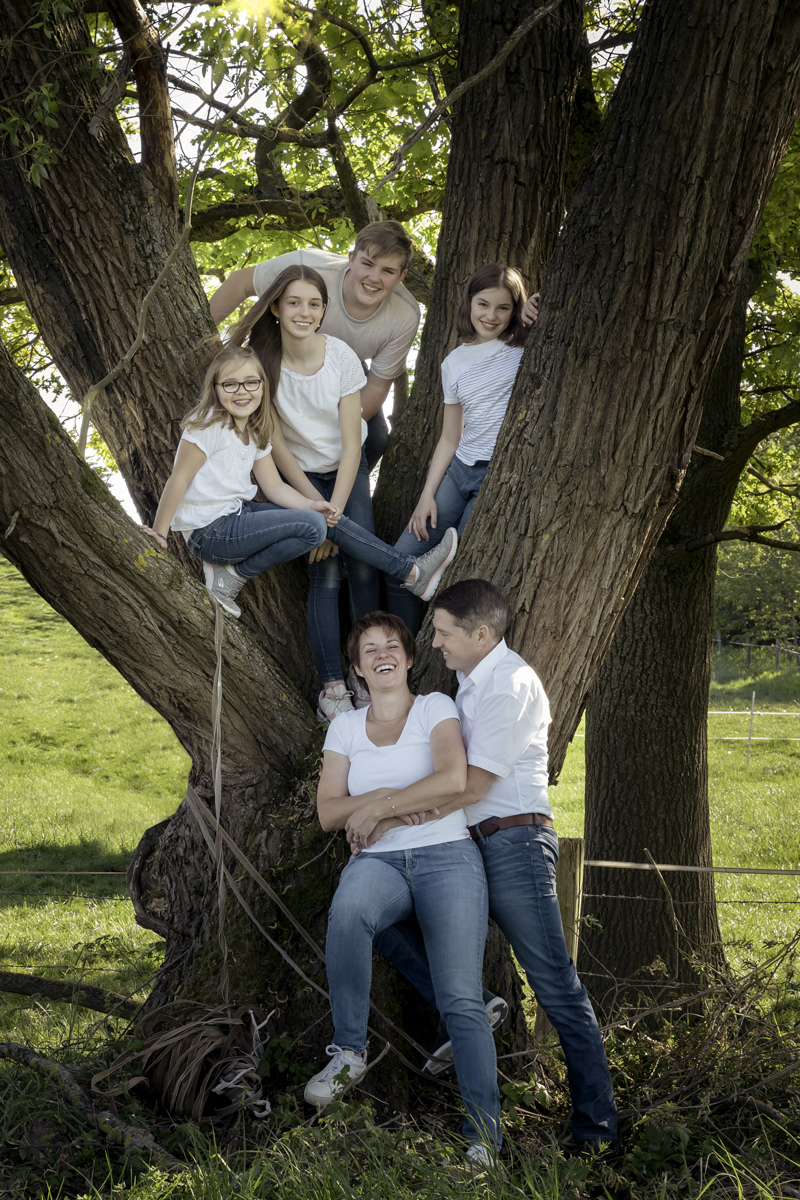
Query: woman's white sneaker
[[345, 1067]]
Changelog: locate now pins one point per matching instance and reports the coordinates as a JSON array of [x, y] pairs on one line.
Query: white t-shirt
[[395, 767], [223, 482], [504, 718], [480, 379], [308, 407], [385, 337]]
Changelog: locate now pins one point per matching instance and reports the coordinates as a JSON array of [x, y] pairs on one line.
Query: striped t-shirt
[[480, 379]]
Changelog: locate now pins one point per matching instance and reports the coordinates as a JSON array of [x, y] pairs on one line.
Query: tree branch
[[83, 994], [11, 295], [744, 533], [466, 85], [140, 39], [777, 418], [792, 492], [246, 129]]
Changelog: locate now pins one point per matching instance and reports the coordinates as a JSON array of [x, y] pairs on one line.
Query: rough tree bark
[[646, 728], [600, 428], [504, 200], [635, 308]]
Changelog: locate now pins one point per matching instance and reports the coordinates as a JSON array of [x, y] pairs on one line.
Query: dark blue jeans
[[258, 537], [364, 555], [455, 498], [520, 866]]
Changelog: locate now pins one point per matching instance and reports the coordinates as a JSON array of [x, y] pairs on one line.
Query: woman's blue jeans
[[455, 498], [364, 555], [443, 888], [520, 865], [258, 537]]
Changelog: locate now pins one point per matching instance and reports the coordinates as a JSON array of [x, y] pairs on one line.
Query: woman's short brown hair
[[390, 624]]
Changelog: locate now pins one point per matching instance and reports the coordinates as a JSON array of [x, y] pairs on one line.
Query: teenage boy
[[368, 308], [504, 718]]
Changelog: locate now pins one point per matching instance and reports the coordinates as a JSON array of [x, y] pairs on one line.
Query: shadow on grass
[[45, 870]]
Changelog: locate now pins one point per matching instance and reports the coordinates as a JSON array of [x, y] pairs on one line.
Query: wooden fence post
[[777, 652], [747, 651], [569, 886]]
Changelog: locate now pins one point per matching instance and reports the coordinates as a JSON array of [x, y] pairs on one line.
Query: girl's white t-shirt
[[480, 379], [223, 482], [308, 407], [395, 767]]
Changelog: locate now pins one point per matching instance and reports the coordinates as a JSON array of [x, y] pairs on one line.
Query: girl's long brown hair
[[208, 409], [259, 326], [495, 275]]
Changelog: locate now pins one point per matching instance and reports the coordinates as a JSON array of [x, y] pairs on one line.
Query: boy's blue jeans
[[520, 866], [364, 556], [443, 888]]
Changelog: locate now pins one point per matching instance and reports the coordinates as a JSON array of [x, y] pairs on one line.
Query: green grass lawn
[[85, 768]]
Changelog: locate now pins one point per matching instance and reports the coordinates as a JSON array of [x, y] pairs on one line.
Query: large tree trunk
[[646, 746], [635, 308], [503, 202]]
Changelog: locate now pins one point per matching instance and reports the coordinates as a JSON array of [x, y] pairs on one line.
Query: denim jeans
[[377, 438], [444, 888], [520, 866], [455, 498], [258, 537], [364, 555]]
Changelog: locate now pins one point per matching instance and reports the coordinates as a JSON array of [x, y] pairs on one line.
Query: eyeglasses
[[232, 386]]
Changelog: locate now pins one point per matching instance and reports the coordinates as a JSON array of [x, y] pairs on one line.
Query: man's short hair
[[474, 602], [384, 238]]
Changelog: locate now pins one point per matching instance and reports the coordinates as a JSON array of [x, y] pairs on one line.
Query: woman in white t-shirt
[[315, 382], [209, 497], [477, 378], [401, 756]]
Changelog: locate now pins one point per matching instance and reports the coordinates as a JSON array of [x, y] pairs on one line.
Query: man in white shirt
[[368, 308], [504, 718]]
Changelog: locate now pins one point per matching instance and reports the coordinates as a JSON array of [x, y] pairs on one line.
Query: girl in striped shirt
[[477, 378]]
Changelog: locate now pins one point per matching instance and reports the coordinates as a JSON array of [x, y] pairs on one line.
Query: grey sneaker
[[442, 1059], [345, 1067], [334, 702], [361, 697], [225, 585], [432, 565]]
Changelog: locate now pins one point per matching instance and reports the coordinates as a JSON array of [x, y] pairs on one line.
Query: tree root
[[83, 994], [127, 1137]]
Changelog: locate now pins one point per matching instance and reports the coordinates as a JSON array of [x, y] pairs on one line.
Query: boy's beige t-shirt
[[383, 339]]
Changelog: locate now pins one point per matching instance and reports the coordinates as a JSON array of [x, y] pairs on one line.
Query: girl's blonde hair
[[259, 326], [208, 409], [495, 275]]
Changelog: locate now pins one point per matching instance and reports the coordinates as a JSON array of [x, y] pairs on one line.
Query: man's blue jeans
[[520, 866], [455, 499], [443, 888], [364, 555], [258, 537]]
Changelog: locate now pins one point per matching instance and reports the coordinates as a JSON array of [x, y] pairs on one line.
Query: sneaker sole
[[433, 582], [437, 1064]]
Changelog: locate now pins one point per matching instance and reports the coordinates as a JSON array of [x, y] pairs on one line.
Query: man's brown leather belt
[[492, 824]]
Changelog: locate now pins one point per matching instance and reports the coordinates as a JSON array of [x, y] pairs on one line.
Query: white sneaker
[[442, 1059], [481, 1155], [431, 566], [333, 701], [361, 697], [345, 1067], [225, 585]]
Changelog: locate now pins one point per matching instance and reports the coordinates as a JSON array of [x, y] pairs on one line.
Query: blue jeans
[[258, 537], [364, 555], [520, 866], [443, 887], [455, 498]]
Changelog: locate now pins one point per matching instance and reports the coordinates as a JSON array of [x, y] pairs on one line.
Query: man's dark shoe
[[589, 1150]]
